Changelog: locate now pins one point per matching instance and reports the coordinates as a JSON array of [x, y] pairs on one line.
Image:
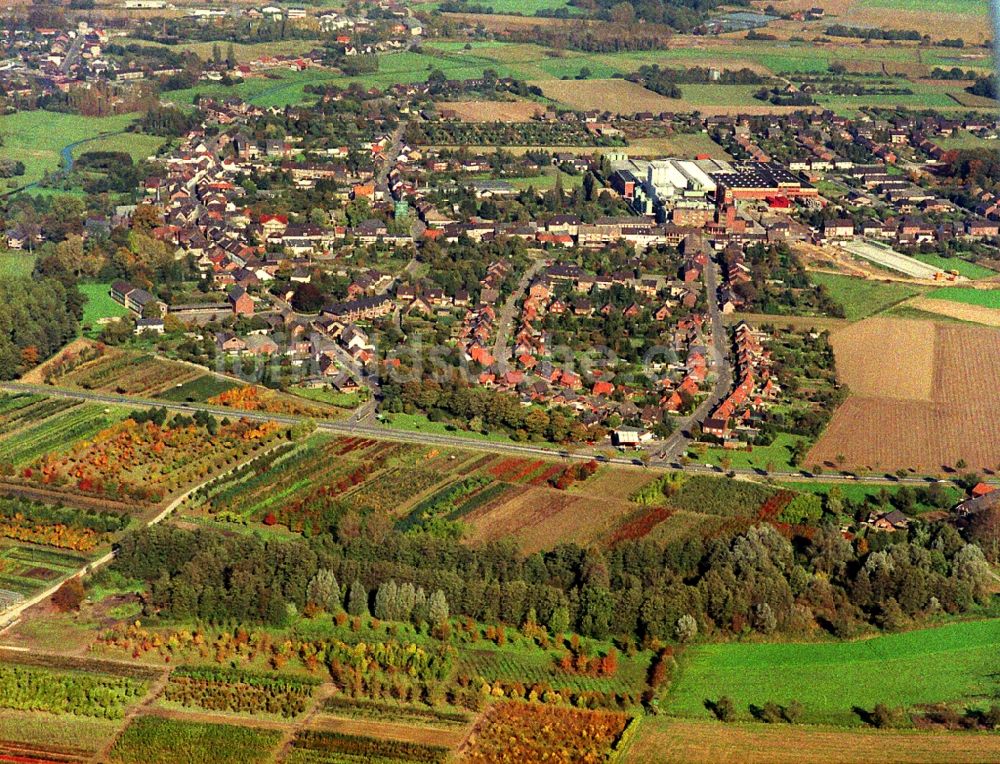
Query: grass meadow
[[37, 137], [954, 664], [99, 304], [14, 264], [862, 298]]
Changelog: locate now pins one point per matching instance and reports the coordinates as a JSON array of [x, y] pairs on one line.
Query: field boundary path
[[325, 690], [675, 444], [12, 615], [150, 697], [383, 432], [505, 323]]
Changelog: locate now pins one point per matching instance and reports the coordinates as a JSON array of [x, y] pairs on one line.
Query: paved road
[[505, 321], [389, 157], [384, 432], [676, 444]]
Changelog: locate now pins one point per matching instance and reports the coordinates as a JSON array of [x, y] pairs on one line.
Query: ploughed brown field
[[624, 97], [540, 517], [923, 398], [663, 740], [492, 111]]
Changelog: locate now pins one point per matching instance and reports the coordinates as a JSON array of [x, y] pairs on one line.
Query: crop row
[[57, 526], [239, 691], [444, 502], [339, 745], [18, 410], [77, 423], [36, 689], [374, 709]]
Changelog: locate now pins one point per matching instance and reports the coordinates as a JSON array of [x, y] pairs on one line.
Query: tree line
[[752, 580], [37, 317]]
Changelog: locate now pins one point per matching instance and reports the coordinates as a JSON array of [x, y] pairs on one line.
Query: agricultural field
[[41, 737], [538, 513], [628, 97], [984, 298], [519, 732], [155, 740], [306, 487], [493, 111], [660, 740], [237, 691], [80, 687], [949, 310], [951, 664], [863, 297], [124, 373], [322, 746], [26, 570], [40, 431], [921, 398], [130, 461], [962, 267], [342, 707], [79, 530]]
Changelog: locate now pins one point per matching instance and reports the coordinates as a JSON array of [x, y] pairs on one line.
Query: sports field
[[955, 664]]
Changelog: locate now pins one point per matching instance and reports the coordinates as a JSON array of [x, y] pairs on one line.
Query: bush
[[793, 712], [69, 596], [724, 709]]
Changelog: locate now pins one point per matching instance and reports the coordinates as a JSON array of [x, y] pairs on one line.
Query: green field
[[199, 389], [151, 740], [54, 433], [965, 140], [138, 145], [931, 6], [14, 264], [778, 455], [99, 304], [955, 663], [857, 492], [547, 180], [37, 137], [957, 264], [862, 298], [981, 297], [329, 395]]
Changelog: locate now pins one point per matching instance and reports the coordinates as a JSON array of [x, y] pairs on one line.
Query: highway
[[351, 427]]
